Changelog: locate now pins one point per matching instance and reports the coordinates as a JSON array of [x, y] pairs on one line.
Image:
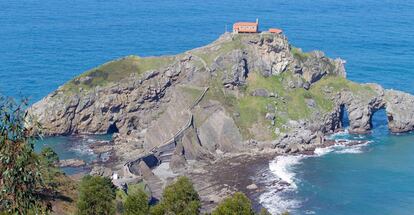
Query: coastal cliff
[[241, 93]]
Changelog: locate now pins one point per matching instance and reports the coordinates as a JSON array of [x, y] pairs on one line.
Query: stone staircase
[[163, 153]]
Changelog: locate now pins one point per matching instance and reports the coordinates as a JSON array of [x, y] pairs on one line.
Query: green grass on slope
[[223, 48], [289, 104], [299, 54], [335, 84], [114, 71], [121, 195], [191, 93]]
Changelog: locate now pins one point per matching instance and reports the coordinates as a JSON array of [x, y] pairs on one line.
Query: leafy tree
[[21, 180], [50, 156], [96, 196], [179, 198], [50, 171], [238, 204], [136, 203]]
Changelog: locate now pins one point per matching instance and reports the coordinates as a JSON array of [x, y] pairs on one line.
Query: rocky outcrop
[[361, 107], [124, 106], [235, 65], [219, 132], [400, 111], [264, 93], [71, 163], [315, 65]]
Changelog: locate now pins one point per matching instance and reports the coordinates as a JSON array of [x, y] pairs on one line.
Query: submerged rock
[[72, 163]]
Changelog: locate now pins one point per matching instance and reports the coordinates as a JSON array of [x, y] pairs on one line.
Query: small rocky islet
[[242, 96]]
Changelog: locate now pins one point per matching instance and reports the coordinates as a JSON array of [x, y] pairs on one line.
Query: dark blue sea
[[45, 43]]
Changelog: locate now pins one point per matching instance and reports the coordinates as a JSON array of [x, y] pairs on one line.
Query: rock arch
[[399, 108], [112, 128]]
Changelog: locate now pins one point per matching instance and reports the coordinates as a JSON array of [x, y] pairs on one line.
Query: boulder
[[101, 171], [252, 187], [400, 111], [72, 163]]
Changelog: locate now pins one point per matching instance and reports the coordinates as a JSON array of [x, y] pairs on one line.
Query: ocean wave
[[279, 198], [344, 133], [282, 167], [323, 151], [82, 146]]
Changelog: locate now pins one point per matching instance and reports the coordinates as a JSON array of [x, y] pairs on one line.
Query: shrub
[[178, 198], [96, 196], [237, 204], [136, 203], [49, 155], [263, 211], [21, 183]]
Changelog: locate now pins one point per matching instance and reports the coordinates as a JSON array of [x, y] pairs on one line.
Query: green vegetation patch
[[290, 101], [192, 93], [224, 48], [114, 71], [335, 84], [299, 54]]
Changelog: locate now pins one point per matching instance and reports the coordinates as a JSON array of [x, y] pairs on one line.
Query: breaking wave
[[82, 146], [282, 183]]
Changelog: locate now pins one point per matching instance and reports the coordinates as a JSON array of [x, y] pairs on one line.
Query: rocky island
[[207, 112]]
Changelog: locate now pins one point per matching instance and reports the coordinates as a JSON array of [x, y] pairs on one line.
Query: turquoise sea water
[[45, 43]]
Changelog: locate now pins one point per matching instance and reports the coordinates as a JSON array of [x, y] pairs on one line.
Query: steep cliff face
[[241, 92]]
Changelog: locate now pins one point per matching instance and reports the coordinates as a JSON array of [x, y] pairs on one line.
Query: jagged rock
[[270, 116], [71, 163], [400, 111], [101, 171], [144, 170], [239, 70], [361, 108], [177, 162], [252, 187], [149, 101], [313, 66], [220, 132]]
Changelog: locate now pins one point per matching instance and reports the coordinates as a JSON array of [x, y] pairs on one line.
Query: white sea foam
[[338, 134], [282, 167], [279, 198], [275, 199], [323, 151], [82, 147]]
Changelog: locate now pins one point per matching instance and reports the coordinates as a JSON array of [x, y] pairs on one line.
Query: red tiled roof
[[275, 30], [245, 24]]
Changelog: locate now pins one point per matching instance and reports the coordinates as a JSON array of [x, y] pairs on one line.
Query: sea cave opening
[[112, 129], [344, 117], [379, 121]]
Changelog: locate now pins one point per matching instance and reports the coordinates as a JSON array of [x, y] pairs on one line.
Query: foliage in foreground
[[178, 198], [237, 204], [96, 196], [21, 180], [136, 203]]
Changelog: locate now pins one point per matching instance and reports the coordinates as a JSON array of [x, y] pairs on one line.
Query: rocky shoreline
[[251, 95], [248, 173]]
